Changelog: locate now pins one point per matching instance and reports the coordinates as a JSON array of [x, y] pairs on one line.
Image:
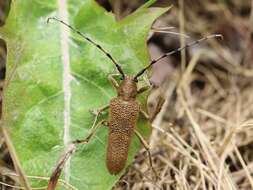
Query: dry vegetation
[[203, 136]]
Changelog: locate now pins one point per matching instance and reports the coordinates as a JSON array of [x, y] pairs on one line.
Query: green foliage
[[34, 97]]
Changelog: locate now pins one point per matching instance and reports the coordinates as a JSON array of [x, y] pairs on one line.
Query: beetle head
[[127, 89]]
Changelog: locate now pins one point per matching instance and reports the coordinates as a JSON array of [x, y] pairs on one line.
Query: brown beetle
[[123, 114]]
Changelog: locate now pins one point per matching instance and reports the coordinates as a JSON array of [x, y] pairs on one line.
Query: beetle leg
[[68, 152], [148, 86], [116, 85], [143, 89], [146, 146], [92, 133], [145, 114], [113, 81], [99, 111]]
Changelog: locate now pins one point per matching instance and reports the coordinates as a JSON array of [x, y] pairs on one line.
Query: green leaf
[[36, 98]]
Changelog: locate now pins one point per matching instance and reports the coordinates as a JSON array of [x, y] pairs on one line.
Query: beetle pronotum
[[123, 113]]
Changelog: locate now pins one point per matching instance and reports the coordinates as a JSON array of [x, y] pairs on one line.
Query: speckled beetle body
[[123, 116]]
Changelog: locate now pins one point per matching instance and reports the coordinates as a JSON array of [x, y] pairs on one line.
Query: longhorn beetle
[[123, 113]]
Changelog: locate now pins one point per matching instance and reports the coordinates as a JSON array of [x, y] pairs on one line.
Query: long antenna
[[92, 42], [175, 51]]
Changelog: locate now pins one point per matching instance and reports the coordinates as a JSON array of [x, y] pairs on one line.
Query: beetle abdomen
[[123, 117], [117, 152]]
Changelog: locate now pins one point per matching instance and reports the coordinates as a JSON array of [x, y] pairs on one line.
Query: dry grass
[[203, 137]]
